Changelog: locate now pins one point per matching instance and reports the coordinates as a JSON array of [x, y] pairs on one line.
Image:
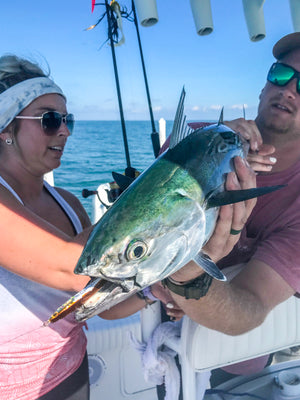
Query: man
[[269, 245]]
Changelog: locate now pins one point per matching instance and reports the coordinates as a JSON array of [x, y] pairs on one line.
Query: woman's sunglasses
[[281, 74], [52, 120]]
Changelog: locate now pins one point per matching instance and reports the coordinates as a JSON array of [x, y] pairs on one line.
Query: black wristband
[[194, 289]]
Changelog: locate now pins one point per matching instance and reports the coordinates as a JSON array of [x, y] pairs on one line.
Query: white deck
[[114, 365]]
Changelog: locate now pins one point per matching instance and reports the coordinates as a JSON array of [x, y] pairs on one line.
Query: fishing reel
[[108, 193]]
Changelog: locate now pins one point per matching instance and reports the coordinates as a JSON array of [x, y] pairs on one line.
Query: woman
[[43, 234], [37, 264]]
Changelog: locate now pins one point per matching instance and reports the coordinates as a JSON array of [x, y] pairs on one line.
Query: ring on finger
[[235, 231]]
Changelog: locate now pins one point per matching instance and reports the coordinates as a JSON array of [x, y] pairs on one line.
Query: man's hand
[[259, 156], [231, 216], [261, 160]]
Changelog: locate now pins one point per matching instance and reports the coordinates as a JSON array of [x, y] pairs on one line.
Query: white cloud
[[215, 107], [238, 106], [206, 108]]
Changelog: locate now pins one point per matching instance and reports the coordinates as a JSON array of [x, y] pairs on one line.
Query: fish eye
[[136, 250], [222, 148]]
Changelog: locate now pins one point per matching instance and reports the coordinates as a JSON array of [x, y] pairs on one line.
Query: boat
[[116, 370], [277, 382], [112, 356]]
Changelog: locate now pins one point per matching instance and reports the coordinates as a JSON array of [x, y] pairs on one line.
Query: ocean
[[96, 148]]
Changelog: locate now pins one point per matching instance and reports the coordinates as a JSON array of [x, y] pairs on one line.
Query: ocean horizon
[[96, 148]]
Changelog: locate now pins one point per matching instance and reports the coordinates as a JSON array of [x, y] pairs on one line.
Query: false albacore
[[163, 219]]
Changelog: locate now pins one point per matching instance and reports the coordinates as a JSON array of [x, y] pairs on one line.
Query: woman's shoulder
[[75, 203], [68, 196]]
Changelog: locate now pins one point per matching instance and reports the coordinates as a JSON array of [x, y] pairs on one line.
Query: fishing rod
[[129, 171], [154, 134], [112, 30]]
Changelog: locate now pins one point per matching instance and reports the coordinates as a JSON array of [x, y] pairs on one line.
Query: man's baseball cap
[[286, 44]]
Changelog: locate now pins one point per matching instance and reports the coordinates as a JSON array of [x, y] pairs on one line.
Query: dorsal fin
[[122, 181], [221, 120], [180, 129]]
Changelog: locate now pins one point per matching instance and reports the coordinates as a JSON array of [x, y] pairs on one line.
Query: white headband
[[17, 97]]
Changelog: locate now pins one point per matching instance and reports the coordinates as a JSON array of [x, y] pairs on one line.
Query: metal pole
[[129, 170], [154, 134]]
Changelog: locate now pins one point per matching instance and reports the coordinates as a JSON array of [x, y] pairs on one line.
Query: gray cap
[[286, 44]]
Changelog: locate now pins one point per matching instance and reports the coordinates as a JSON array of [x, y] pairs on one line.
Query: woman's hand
[[259, 156], [172, 309]]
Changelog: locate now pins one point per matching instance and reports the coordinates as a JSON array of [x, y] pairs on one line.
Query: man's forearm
[[225, 308]]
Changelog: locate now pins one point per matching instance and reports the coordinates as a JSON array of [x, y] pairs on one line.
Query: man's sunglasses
[[281, 74], [52, 120]]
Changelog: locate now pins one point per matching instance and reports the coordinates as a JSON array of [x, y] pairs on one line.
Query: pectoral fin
[[209, 266], [234, 196]]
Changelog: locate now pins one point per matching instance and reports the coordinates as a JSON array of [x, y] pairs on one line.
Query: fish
[[163, 218]]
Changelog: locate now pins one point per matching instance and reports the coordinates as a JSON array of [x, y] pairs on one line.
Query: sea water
[[96, 148]]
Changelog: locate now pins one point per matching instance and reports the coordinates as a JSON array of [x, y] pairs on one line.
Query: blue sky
[[221, 69]]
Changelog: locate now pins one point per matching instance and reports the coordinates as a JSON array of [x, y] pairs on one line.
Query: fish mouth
[[89, 266], [108, 295], [99, 295]]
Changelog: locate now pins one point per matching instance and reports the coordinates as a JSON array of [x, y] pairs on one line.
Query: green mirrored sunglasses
[[281, 74]]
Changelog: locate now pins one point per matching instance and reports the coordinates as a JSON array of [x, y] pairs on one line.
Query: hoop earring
[[8, 141]]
